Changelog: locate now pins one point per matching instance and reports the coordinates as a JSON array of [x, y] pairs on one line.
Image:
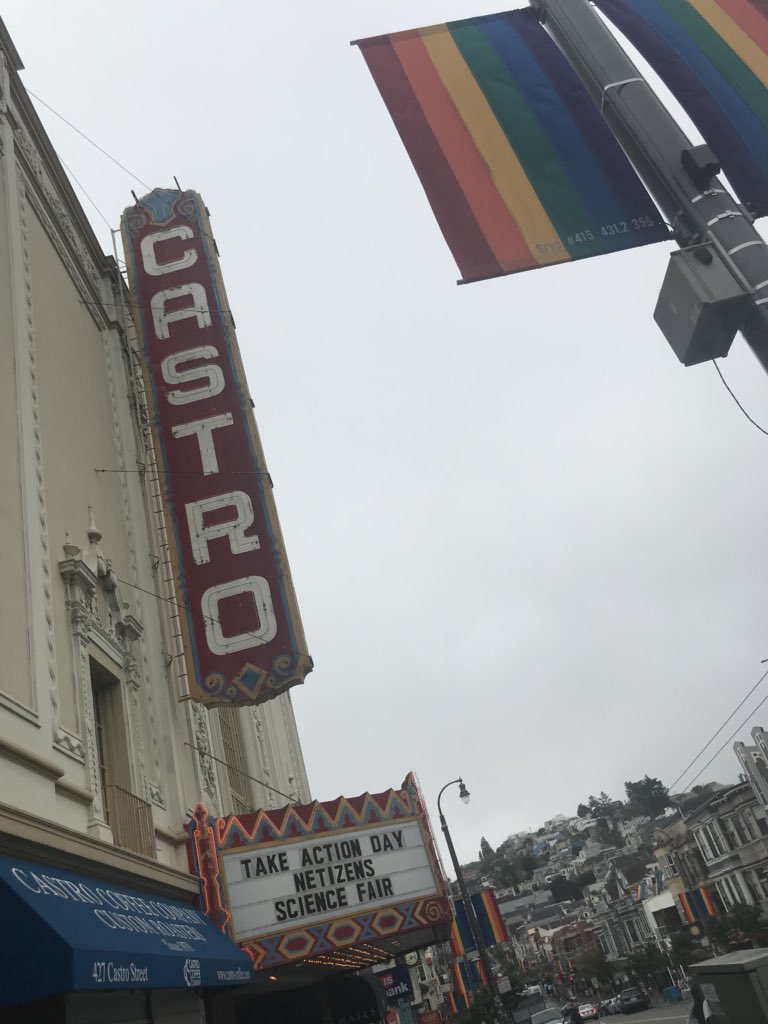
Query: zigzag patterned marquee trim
[[261, 830], [301, 820], [290, 947]]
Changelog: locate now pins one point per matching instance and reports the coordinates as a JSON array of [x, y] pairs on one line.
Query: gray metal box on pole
[[701, 305]]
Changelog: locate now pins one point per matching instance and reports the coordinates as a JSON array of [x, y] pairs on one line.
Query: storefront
[[80, 950]]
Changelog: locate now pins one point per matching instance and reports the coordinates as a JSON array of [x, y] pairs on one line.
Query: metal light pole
[[501, 1015], [679, 175]]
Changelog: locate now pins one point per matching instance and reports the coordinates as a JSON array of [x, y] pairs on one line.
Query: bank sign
[[396, 983], [239, 617], [314, 878]]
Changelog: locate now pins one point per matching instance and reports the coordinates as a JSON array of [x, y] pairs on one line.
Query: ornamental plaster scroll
[[117, 368], [294, 749], [39, 522], [264, 745], [202, 737], [5, 86], [156, 793], [86, 575]]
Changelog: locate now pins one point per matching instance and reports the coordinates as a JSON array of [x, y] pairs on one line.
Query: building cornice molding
[[32, 838], [24, 113], [30, 760], [74, 792], [52, 196]]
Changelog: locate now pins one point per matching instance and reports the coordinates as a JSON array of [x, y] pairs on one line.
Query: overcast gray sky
[[529, 546]]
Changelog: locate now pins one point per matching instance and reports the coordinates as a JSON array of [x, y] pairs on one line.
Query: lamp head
[[463, 792]]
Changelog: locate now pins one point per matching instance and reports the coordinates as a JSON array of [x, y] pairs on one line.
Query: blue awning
[[63, 932]]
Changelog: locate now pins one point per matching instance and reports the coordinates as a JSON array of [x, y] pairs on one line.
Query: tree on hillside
[[631, 810], [582, 810], [650, 794], [741, 928], [486, 850], [482, 1009], [594, 965], [601, 806], [685, 948], [647, 961], [608, 833], [563, 889]]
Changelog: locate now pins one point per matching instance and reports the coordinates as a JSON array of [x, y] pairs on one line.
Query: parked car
[[588, 1011], [550, 1016], [609, 1007], [632, 999]]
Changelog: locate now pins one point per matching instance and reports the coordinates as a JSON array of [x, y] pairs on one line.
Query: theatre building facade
[[105, 746]]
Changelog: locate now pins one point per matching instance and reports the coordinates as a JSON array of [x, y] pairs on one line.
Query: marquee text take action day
[[324, 865]]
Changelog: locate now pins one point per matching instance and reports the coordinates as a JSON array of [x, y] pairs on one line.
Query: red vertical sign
[[241, 625]]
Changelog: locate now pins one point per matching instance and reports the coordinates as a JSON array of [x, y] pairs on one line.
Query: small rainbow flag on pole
[[519, 167], [713, 57]]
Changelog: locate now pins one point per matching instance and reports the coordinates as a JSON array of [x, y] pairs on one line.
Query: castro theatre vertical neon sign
[[241, 626]]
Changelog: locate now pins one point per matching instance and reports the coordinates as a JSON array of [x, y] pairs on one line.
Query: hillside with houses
[[636, 888]]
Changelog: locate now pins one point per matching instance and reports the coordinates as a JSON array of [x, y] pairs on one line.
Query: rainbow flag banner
[[461, 985], [713, 57], [489, 917], [460, 938], [492, 927], [518, 165], [697, 904]]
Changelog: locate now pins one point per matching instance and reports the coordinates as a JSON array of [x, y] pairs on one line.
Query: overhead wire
[[763, 676], [186, 607], [190, 472], [90, 140], [722, 748], [82, 188], [234, 768], [161, 308], [714, 736], [733, 396]]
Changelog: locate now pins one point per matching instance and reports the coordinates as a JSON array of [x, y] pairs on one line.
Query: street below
[[675, 1012], [678, 1012]]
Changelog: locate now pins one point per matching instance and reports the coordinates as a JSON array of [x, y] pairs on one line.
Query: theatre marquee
[[314, 878]]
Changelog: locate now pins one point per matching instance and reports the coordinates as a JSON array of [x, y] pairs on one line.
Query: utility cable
[[71, 173], [87, 139], [727, 388], [208, 618], [716, 734], [722, 748], [190, 472], [261, 782], [199, 310]]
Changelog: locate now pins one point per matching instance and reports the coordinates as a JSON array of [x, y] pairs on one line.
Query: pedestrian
[[700, 1011], [572, 1015]]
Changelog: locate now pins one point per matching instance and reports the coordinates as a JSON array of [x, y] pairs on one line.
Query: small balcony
[[130, 819]]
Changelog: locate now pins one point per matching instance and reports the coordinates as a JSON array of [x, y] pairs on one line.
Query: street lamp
[[474, 925]]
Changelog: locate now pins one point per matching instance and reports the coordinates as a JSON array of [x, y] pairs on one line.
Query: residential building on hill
[[722, 849]]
